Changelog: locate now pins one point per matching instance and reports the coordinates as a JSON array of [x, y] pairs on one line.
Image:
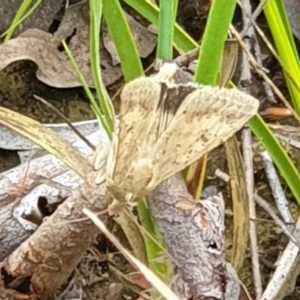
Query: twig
[[262, 73], [193, 233], [61, 115], [277, 191], [254, 16], [288, 140], [247, 154], [222, 175], [272, 50]]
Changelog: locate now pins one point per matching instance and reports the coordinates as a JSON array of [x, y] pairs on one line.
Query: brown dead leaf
[[54, 68], [240, 202], [139, 279], [37, 46]]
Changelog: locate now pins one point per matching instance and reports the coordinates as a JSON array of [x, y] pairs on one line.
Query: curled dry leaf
[[51, 254], [54, 68], [37, 46]]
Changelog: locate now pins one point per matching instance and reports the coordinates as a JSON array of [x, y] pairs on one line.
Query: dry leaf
[[75, 26], [46, 139], [54, 68], [240, 202], [164, 127]]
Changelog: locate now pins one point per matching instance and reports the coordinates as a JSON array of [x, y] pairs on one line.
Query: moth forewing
[[130, 156], [206, 118]]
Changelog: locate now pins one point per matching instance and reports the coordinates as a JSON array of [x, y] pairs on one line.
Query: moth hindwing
[[165, 126]]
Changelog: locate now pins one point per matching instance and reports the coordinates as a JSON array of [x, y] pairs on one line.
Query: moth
[[165, 126]]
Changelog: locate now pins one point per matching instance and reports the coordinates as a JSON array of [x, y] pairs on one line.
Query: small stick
[[81, 136], [277, 191], [247, 154], [288, 140]]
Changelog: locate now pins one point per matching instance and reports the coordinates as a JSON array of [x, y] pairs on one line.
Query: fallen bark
[[21, 188], [47, 258], [45, 166], [194, 235]]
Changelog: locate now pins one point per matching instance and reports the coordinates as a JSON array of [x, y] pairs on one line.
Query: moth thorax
[[142, 168], [140, 176]]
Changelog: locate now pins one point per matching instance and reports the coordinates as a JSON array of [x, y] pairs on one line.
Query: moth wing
[[206, 118], [139, 100]]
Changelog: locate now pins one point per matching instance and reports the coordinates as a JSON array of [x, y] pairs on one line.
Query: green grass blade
[[87, 90], [20, 17], [167, 15], [281, 33], [94, 44], [154, 251], [215, 34], [182, 41], [278, 155], [123, 39]]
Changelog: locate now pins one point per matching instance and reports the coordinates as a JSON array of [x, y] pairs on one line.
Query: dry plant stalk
[[165, 126]]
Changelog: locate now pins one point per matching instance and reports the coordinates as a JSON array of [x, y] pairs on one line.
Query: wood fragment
[[193, 233]]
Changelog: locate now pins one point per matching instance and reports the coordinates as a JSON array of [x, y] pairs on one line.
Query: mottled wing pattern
[[206, 117], [170, 100], [129, 166]]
